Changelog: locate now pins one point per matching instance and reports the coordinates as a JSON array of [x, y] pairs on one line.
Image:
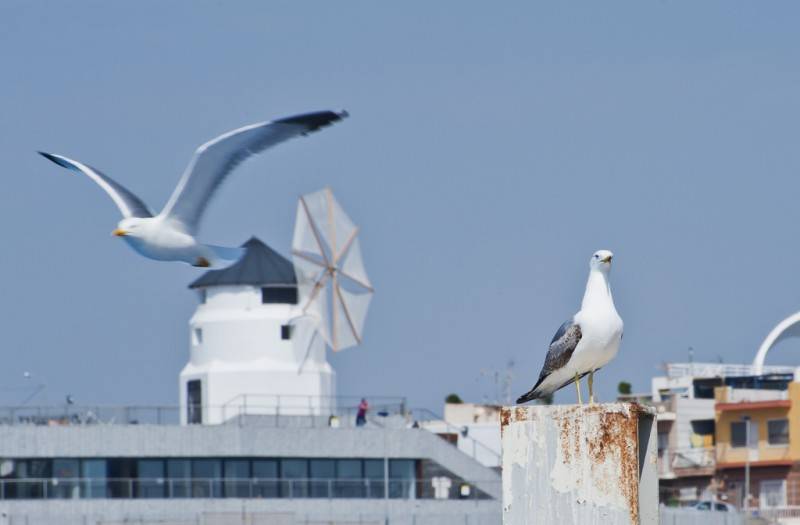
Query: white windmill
[[334, 290]]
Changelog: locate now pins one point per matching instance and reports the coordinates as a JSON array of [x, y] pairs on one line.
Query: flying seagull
[[586, 342], [170, 235]]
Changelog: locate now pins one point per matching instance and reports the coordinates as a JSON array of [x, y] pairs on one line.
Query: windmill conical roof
[[259, 266]]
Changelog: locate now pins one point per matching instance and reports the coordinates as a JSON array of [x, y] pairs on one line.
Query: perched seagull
[[586, 342], [170, 235]]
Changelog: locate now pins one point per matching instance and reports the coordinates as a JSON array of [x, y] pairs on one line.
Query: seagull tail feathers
[[529, 396], [225, 254]]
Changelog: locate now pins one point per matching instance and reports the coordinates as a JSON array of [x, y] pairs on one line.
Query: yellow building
[[761, 429]]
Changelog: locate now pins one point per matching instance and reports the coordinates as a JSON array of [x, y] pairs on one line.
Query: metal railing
[[439, 488], [675, 370], [276, 406], [277, 411]]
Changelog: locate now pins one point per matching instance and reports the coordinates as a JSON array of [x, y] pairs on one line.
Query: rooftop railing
[[276, 411], [437, 488], [675, 370]]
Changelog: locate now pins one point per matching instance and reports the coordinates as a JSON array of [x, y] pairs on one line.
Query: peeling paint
[[571, 464]]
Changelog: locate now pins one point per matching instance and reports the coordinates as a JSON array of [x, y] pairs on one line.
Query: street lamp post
[[746, 420]]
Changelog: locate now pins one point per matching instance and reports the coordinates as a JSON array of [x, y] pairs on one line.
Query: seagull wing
[[129, 204], [561, 348], [214, 160]]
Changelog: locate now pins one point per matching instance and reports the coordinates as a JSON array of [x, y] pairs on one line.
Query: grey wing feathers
[[129, 204], [561, 348], [214, 160]]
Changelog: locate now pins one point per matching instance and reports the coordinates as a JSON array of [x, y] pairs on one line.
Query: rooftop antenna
[[36, 389], [691, 361]]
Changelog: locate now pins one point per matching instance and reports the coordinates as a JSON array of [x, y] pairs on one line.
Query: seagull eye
[[596, 256]]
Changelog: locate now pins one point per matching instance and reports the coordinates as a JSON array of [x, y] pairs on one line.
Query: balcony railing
[[684, 458], [438, 488]]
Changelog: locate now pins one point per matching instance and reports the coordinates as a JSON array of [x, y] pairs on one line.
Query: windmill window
[[197, 336], [286, 332], [279, 295]]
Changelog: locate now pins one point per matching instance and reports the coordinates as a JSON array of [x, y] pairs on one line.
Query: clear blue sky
[[491, 150]]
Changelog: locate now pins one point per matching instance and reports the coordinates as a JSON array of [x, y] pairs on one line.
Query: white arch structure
[[789, 327]]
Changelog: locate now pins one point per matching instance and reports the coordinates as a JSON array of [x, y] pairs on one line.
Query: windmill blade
[[354, 308], [333, 284], [352, 266], [307, 237]]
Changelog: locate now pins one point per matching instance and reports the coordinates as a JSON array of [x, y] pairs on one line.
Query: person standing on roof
[[361, 415]]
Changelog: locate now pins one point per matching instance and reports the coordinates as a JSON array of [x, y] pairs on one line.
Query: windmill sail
[[333, 285]]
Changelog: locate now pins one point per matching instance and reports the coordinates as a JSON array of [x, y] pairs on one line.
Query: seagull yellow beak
[[606, 259], [119, 232]]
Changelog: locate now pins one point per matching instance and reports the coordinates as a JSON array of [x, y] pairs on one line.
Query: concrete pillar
[[579, 465]]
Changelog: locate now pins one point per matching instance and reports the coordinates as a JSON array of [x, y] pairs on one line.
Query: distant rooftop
[[259, 266]]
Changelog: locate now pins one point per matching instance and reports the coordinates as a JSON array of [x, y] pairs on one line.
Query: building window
[[237, 478], [402, 473], [206, 478], [150, 475], [265, 478], [201, 294], [772, 493], [294, 473], [194, 402], [279, 295], [179, 472], [286, 332], [739, 433], [197, 336], [778, 432], [374, 474]]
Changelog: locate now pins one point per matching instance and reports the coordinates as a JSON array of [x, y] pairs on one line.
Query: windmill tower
[[244, 349]]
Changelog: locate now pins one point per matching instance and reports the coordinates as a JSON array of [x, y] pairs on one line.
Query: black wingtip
[[55, 159], [316, 120]]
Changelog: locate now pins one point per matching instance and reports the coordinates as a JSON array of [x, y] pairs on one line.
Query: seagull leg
[[591, 384], [578, 388]]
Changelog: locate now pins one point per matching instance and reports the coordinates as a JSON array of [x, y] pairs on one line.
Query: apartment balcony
[[764, 455], [677, 463]]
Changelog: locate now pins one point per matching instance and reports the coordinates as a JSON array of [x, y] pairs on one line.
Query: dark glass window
[[265, 478], [206, 478], [374, 474], [34, 470], [778, 432], [67, 472], [322, 471], [94, 472], [237, 478], [350, 483], [150, 482], [279, 295], [179, 472], [294, 473], [401, 478], [739, 434], [286, 331], [194, 402]]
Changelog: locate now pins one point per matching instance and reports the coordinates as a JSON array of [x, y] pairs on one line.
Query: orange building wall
[[766, 452]]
